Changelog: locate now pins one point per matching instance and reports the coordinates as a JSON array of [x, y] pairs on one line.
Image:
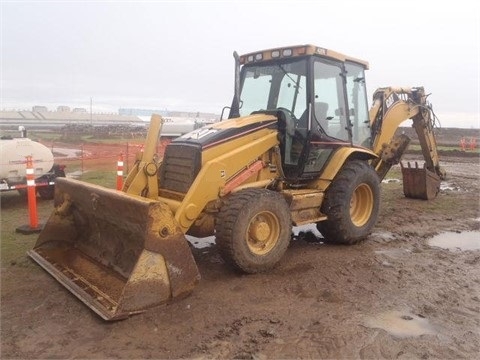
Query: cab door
[[329, 119]]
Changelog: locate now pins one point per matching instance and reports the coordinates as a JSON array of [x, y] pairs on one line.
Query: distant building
[[63, 108], [189, 116], [39, 108], [141, 112], [79, 110]]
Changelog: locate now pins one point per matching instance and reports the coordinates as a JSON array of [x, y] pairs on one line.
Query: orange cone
[[33, 226], [120, 172]]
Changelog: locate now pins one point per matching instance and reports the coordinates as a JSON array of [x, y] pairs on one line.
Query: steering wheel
[[289, 112]]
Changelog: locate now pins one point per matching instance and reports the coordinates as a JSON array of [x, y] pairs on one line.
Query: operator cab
[[319, 97]]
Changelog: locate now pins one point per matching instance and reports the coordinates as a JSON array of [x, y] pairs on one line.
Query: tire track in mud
[[243, 338]]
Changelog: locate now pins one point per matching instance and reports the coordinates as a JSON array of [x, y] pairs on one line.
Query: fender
[[336, 162]]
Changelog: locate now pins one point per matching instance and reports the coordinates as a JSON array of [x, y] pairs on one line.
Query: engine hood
[[215, 134]]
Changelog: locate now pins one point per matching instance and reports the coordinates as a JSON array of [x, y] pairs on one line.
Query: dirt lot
[[396, 295]]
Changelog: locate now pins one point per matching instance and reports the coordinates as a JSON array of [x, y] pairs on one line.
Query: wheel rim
[[263, 233], [361, 205]]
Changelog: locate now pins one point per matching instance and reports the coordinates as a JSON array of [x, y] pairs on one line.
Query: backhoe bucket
[[419, 183], [120, 254]]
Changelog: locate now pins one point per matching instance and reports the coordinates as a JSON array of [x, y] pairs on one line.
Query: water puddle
[[67, 153], [468, 240], [201, 243], [305, 232], [401, 324], [382, 236], [446, 186], [306, 228], [390, 180], [75, 174]]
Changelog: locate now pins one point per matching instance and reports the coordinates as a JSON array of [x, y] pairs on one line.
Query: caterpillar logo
[[391, 100]]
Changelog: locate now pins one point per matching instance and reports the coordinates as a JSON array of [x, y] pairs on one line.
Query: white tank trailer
[[13, 155]]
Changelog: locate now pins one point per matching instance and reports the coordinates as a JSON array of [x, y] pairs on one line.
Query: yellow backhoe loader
[[300, 147]]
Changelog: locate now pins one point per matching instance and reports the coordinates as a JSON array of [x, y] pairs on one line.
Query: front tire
[[253, 230], [351, 203]]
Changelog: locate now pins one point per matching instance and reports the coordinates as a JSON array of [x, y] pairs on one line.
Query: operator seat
[[321, 109]]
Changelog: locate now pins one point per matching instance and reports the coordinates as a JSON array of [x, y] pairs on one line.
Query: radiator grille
[[181, 164]]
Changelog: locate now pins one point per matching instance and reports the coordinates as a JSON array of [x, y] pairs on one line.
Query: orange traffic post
[[473, 143], [33, 226], [120, 172]]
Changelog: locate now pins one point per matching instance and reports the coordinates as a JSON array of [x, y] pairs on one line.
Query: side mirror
[[223, 110]]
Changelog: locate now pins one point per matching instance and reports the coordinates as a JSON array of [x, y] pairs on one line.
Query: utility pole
[[91, 121]]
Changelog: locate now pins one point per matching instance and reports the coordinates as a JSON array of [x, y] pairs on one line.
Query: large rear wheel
[[351, 204], [253, 229]]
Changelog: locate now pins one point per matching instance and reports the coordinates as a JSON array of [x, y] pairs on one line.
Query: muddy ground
[[395, 295]]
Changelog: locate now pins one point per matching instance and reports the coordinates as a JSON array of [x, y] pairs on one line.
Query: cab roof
[[297, 50]]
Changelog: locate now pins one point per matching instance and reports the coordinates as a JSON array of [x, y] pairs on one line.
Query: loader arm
[[391, 107], [142, 179]]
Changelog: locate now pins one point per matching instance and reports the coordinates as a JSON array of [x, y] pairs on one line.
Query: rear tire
[[351, 204], [253, 230]]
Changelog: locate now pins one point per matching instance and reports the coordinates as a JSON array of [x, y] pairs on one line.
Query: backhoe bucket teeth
[[120, 254], [419, 183]]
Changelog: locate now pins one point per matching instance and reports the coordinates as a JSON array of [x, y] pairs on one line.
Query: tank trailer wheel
[[253, 230], [46, 192], [351, 203]]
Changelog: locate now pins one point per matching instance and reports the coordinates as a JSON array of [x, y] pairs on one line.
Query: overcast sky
[[177, 55]]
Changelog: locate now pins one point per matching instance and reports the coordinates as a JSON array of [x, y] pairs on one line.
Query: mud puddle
[[393, 253], [401, 324], [468, 240]]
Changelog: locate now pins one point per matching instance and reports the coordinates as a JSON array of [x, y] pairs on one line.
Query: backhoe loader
[[300, 146]]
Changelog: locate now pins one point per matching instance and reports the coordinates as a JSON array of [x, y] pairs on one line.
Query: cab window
[[358, 107], [329, 100]]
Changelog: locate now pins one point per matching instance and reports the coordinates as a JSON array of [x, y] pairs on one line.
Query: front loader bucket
[[120, 254], [419, 183]]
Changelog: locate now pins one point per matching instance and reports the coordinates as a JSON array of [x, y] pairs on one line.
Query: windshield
[[270, 86]]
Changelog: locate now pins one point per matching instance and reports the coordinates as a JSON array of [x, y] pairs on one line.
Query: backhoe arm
[[423, 125], [391, 107]]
